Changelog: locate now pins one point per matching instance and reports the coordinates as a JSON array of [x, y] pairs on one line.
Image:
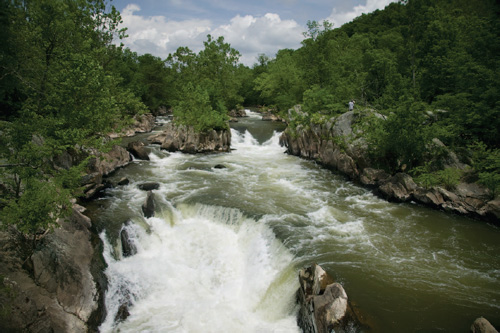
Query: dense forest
[[430, 67]]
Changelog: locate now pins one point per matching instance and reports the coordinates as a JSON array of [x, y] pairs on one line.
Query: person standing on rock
[[351, 105]]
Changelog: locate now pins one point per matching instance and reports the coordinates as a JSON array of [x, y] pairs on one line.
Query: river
[[223, 250]]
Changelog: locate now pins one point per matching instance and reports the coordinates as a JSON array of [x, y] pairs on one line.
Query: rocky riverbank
[[53, 289], [59, 287], [336, 144]]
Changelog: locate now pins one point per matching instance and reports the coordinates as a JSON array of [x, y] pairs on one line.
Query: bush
[[486, 163]]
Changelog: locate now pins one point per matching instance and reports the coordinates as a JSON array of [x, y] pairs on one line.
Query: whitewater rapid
[[223, 250]]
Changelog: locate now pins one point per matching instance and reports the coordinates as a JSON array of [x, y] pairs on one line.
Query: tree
[[282, 84], [195, 110], [63, 97]]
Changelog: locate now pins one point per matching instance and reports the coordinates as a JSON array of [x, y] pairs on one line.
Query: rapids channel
[[222, 252]]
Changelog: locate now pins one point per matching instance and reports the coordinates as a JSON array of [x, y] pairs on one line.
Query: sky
[[252, 27]]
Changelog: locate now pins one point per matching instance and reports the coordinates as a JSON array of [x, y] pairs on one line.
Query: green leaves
[[196, 110], [59, 97], [38, 208]]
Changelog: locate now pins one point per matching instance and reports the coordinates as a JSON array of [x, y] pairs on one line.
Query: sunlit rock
[[482, 325], [187, 140]]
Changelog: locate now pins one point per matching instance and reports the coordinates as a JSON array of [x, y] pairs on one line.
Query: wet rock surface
[[324, 305], [338, 145]]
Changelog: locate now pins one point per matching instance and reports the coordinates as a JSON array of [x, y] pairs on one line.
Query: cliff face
[[187, 140], [336, 144], [53, 289]]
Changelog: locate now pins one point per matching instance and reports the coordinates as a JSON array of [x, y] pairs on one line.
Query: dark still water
[[223, 250]]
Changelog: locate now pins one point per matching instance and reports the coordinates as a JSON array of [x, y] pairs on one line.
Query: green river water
[[223, 250]]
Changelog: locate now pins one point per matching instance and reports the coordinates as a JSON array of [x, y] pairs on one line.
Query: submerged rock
[[128, 247], [220, 166], [148, 207], [123, 181], [149, 186]]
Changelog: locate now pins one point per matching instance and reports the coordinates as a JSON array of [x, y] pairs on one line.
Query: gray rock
[[148, 207], [399, 187], [149, 186], [123, 181], [323, 304], [185, 139], [372, 176], [482, 325], [59, 294], [138, 150], [237, 113], [330, 308], [142, 124], [128, 247], [220, 166], [336, 143]]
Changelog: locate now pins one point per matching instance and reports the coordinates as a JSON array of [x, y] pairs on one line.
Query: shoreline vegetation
[[423, 75]]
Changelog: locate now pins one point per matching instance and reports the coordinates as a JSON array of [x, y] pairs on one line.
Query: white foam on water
[[202, 268]]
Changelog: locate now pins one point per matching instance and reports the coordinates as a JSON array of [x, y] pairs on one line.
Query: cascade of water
[[222, 251]]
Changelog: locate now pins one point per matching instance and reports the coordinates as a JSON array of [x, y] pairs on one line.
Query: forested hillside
[[58, 92], [430, 67]]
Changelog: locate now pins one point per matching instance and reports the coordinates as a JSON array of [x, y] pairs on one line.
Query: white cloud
[[160, 37], [248, 34], [254, 35], [339, 18]]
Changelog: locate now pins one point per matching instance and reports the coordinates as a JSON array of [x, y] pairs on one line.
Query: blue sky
[[252, 27]]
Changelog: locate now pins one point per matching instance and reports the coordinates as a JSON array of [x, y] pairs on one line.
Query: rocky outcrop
[[138, 150], [102, 164], [268, 116], [142, 124], [186, 139], [237, 113], [323, 303], [337, 144], [482, 325], [333, 143], [52, 290]]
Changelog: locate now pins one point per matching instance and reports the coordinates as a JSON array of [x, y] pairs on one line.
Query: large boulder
[[52, 290], [186, 139], [482, 325], [323, 303], [138, 150]]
